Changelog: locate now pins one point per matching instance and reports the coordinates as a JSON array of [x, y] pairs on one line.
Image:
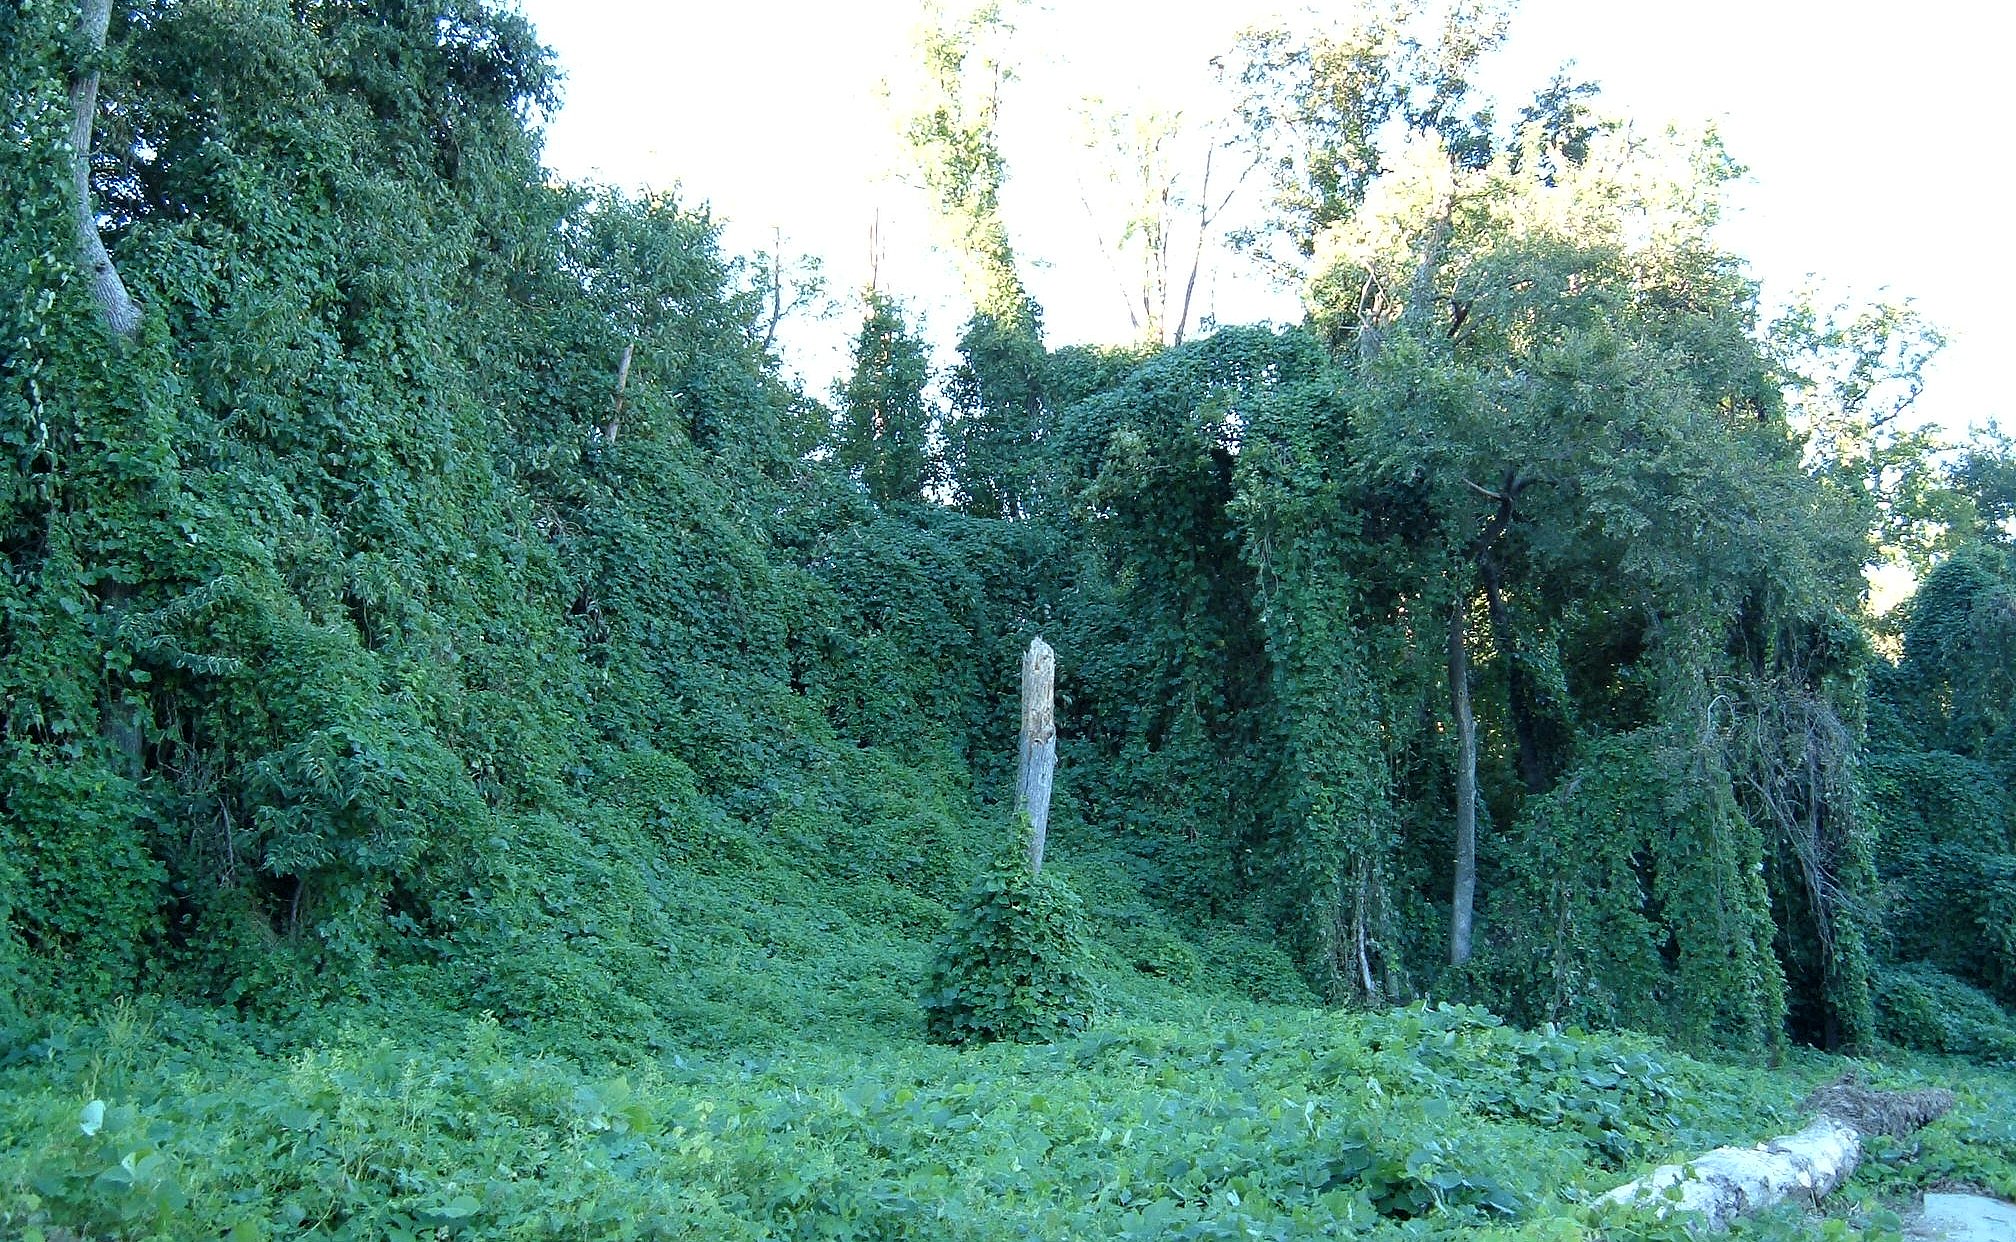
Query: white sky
[[1872, 131]]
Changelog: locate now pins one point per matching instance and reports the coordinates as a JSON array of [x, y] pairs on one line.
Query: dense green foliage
[[1010, 964], [1943, 770], [442, 612], [1275, 1124]]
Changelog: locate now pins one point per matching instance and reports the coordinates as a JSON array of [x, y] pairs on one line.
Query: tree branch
[[115, 305]]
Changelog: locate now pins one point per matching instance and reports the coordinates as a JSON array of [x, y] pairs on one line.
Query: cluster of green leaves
[[1942, 768], [1615, 941], [1227, 1122], [1920, 1006], [365, 632], [1010, 967]]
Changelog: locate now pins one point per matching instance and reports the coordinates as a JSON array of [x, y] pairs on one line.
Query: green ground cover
[[1220, 1119]]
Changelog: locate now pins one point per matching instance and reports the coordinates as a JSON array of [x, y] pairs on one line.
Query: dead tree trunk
[[1464, 899], [1463, 903], [615, 423], [1038, 759], [115, 305], [1731, 1181]]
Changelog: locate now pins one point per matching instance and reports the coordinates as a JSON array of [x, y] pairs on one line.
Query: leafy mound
[[1012, 965], [1923, 1008]]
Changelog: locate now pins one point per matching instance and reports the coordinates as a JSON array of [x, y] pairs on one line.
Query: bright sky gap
[[1869, 130]]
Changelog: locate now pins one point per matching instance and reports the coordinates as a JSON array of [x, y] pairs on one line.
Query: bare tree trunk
[[1375, 318], [875, 253], [776, 290], [1463, 906], [1038, 761], [1361, 914], [1463, 903], [1421, 293], [615, 423], [115, 305]]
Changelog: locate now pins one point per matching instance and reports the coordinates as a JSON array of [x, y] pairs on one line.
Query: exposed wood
[[875, 253], [1896, 1114], [776, 290], [1506, 498], [115, 305], [615, 423], [1421, 292], [1463, 902], [1207, 215], [1037, 766], [1160, 299], [1419, 302], [1732, 1181], [1358, 919], [1463, 898]]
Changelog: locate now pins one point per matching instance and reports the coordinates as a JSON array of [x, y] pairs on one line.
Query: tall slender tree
[[884, 424], [115, 304]]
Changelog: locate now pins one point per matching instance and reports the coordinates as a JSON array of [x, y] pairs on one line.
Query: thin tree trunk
[[115, 305], [1464, 898], [1038, 758], [776, 290], [1421, 293], [615, 423], [1360, 915], [1463, 902]]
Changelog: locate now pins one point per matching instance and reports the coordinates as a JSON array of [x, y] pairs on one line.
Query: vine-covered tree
[[438, 588], [884, 425]]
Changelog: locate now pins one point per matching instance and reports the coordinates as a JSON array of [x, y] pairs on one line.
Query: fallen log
[[1734, 1181]]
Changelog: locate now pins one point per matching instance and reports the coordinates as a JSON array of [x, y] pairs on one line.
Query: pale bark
[[776, 290], [1464, 897], [1360, 913], [1732, 1181], [1421, 293], [1463, 901], [115, 305], [1420, 298], [615, 423], [1038, 749]]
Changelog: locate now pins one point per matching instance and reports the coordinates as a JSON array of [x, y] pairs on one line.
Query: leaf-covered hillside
[[446, 665]]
